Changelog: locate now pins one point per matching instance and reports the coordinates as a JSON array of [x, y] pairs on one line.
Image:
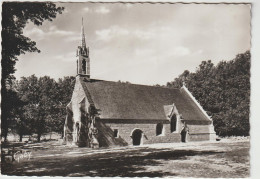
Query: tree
[[201, 83], [19, 124], [15, 16], [64, 90], [9, 109], [39, 95], [178, 82], [45, 102], [223, 91], [234, 96]]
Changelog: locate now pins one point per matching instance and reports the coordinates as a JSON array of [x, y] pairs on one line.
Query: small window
[[159, 129], [116, 133], [173, 123]]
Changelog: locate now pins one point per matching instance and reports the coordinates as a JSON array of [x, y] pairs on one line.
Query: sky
[[141, 43]]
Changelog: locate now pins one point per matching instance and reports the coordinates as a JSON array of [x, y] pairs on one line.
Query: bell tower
[[83, 61]]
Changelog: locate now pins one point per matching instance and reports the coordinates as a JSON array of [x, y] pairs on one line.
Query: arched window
[[173, 123], [159, 129], [116, 133]]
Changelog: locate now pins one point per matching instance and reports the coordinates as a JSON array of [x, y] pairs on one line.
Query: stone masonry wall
[[106, 135], [77, 101], [77, 96], [198, 132], [198, 129]]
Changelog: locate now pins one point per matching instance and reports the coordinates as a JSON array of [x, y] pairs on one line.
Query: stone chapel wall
[[198, 132], [106, 133], [76, 116]]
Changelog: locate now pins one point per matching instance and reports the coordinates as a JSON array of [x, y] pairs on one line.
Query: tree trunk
[[5, 137], [21, 137], [39, 137]]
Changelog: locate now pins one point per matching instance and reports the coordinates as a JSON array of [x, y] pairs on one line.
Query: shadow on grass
[[123, 164]]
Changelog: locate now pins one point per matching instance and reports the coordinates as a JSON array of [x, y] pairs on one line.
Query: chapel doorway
[[184, 131], [183, 135], [137, 136]]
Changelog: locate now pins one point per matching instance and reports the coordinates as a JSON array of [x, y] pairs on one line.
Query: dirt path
[[199, 159]]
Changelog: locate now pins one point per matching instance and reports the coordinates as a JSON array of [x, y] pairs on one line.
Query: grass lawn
[[227, 158]]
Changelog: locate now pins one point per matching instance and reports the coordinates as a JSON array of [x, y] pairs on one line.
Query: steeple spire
[[83, 42], [83, 61]]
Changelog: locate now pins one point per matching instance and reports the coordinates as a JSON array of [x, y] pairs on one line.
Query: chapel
[[106, 113]]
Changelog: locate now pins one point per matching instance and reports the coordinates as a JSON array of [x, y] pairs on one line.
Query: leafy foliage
[[64, 92], [223, 91], [15, 16], [44, 102]]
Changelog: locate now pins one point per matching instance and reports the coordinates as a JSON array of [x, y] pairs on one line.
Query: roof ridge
[[134, 84]]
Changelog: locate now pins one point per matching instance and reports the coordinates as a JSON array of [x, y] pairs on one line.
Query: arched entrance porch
[[137, 137]]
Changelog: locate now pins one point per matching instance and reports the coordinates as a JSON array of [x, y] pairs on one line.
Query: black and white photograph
[[126, 89]]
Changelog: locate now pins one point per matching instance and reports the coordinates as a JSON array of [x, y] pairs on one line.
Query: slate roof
[[118, 100]]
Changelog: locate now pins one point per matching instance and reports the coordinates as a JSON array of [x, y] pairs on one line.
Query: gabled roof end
[[195, 101]]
